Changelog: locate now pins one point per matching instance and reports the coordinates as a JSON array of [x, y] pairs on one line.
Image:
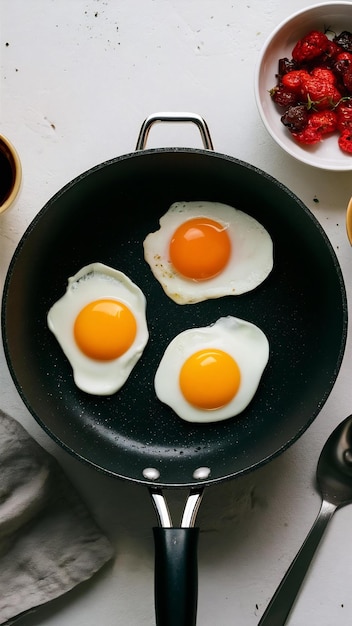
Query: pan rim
[[145, 153]]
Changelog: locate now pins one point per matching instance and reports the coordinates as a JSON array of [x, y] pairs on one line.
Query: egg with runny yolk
[[211, 373], [206, 250], [100, 324]]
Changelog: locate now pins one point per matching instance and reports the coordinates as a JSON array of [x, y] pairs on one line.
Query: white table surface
[[78, 77]]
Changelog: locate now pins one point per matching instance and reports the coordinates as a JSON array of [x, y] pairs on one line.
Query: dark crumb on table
[[7, 44], [315, 199]]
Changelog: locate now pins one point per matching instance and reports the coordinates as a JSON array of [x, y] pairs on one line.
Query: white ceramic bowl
[[336, 16]]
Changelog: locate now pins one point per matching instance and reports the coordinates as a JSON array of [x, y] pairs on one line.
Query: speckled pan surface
[[125, 433]]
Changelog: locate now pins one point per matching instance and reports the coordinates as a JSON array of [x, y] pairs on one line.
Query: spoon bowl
[[334, 482], [334, 470]]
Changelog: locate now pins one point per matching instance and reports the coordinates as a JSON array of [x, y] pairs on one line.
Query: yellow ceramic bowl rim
[[17, 168]]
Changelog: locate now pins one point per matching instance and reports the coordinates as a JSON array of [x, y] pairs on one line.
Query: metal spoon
[[334, 481]]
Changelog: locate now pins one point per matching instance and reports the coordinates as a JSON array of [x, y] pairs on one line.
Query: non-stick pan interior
[[104, 215]]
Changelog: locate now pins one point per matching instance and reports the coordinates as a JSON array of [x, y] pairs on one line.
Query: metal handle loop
[[174, 117]]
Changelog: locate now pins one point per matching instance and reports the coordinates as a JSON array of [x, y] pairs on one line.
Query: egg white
[[93, 282], [250, 263], [244, 341]]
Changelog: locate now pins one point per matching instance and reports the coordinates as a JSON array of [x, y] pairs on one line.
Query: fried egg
[[208, 250], [210, 374], [100, 324]]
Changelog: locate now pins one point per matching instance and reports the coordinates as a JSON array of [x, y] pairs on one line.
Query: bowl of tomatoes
[[303, 85]]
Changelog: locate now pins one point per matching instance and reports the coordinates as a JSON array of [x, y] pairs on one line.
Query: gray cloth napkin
[[49, 542]]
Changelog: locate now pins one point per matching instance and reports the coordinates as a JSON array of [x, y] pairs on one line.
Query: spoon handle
[[282, 601]]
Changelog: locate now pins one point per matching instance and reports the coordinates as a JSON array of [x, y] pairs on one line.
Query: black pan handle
[[174, 117], [176, 563], [176, 576]]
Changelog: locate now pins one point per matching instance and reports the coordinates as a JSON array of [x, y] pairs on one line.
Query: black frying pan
[[104, 215]]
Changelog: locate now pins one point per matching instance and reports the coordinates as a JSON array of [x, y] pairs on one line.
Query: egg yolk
[[209, 379], [200, 248], [105, 329]]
